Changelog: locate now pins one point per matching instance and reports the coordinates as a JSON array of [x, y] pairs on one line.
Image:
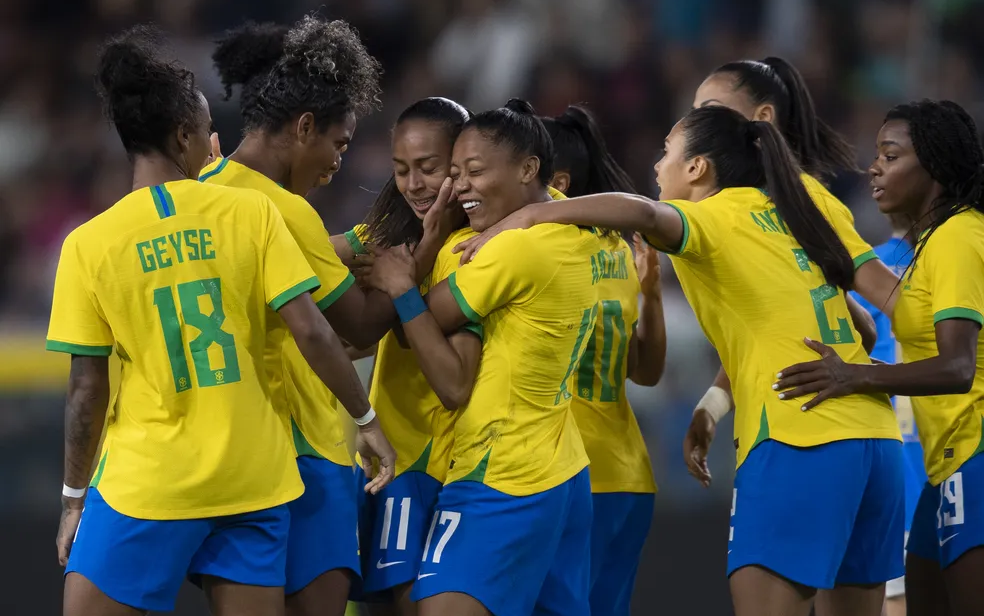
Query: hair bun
[[518, 105]]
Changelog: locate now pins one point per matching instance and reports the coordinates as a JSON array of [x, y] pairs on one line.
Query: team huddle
[[496, 466]]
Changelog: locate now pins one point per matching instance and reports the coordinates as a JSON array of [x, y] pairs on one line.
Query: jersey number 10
[[611, 354], [210, 332]]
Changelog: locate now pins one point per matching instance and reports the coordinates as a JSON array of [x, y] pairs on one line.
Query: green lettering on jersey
[[145, 253], [175, 240], [191, 242], [160, 252], [606, 265], [207, 251], [775, 214]]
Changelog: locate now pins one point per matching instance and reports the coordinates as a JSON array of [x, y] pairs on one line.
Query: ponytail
[[820, 150], [580, 150], [797, 209], [745, 153]]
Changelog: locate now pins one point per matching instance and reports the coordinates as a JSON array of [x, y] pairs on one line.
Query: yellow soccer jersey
[[317, 418], [532, 290], [947, 282], [410, 413], [612, 440], [181, 278], [355, 236], [840, 218], [756, 296]]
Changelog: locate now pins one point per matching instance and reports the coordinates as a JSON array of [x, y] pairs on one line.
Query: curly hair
[[948, 147], [245, 55], [146, 95], [325, 69]]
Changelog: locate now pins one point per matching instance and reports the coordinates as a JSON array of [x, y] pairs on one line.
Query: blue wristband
[[410, 305]]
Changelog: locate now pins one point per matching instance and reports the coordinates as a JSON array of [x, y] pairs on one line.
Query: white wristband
[[73, 492], [716, 402], [365, 419]]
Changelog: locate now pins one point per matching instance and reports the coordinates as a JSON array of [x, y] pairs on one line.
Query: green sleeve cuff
[[353, 239], [863, 258], [295, 291], [342, 287], [958, 313], [467, 310], [683, 240], [78, 349], [476, 329]]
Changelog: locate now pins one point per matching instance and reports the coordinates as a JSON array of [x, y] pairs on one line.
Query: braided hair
[[325, 69], [948, 147]]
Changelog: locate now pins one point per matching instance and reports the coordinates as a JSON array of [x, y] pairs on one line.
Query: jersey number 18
[[210, 332]]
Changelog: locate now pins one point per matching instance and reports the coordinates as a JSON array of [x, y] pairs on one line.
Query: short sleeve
[[502, 272], [447, 261], [308, 230], [286, 273], [701, 225], [77, 324], [356, 236], [841, 219], [955, 266]]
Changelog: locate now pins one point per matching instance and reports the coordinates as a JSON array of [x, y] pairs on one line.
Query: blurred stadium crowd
[[635, 63]]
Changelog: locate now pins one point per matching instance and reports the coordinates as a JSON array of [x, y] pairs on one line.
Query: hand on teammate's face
[[445, 215]]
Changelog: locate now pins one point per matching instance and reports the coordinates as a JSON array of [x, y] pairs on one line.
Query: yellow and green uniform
[[318, 422], [756, 296], [419, 427], [182, 279], [612, 440], [947, 282], [534, 294]]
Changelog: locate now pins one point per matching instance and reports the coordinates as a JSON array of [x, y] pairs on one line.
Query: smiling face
[[899, 182], [421, 161], [491, 181], [318, 154]]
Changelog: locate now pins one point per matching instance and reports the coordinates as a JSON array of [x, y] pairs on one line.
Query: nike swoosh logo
[[381, 565], [943, 541], [421, 576]]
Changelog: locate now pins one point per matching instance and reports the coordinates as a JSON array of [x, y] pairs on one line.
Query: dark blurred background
[[636, 63]]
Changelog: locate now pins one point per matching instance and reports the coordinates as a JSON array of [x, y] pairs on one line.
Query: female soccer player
[[302, 91], [196, 467], [395, 522], [897, 254], [512, 528], [818, 500], [930, 169], [622, 483]]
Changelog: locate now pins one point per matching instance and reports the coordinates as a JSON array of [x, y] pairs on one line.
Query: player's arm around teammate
[[930, 169], [216, 510], [303, 90]]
